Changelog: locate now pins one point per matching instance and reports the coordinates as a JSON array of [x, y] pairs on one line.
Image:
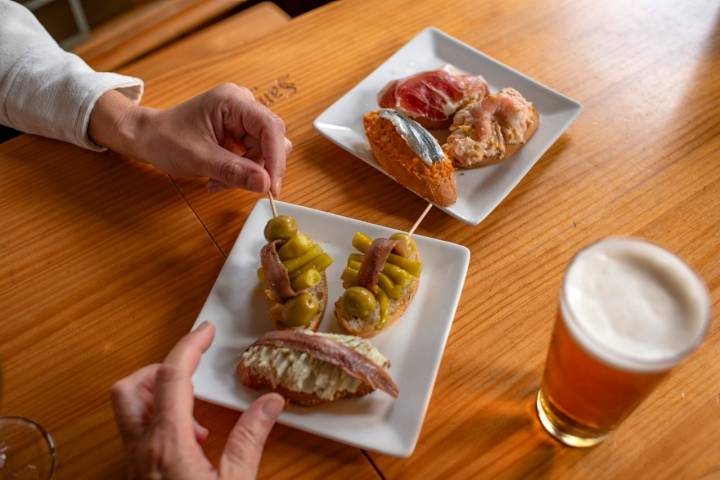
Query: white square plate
[[479, 190], [414, 345]]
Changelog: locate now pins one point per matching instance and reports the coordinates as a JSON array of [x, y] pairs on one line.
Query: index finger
[[260, 122], [186, 354], [173, 383]]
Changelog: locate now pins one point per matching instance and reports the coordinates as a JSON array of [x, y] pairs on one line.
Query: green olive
[[406, 246], [359, 302], [308, 279], [296, 246], [300, 310], [282, 227]]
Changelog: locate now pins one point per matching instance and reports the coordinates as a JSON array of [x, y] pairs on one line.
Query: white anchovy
[[418, 139]]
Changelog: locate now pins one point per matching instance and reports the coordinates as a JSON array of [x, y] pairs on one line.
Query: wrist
[[117, 123]]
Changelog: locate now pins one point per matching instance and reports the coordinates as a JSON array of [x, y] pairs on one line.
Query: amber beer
[[629, 311]]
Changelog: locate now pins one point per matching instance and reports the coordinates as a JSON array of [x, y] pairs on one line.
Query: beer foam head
[[634, 305]]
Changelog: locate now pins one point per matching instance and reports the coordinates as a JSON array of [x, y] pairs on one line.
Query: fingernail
[[277, 187], [205, 324], [273, 406]]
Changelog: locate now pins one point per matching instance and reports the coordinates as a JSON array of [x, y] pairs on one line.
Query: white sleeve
[[44, 89]]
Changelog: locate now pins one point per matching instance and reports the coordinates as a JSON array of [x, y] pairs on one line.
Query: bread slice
[[310, 368], [320, 292], [466, 151], [368, 328], [251, 379], [435, 183], [365, 329]]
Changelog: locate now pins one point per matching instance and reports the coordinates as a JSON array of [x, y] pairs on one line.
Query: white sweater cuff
[[56, 98]]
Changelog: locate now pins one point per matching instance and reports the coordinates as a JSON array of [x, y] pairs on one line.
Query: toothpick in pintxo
[[272, 204], [419, 220]]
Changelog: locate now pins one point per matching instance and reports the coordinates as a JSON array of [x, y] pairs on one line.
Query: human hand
[[223, 134], [154, 412]]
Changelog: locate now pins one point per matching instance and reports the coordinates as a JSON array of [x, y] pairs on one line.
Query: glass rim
[[49, 440], [640, 364]]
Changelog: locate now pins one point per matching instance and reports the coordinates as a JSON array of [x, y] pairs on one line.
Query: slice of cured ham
[[431, 98]]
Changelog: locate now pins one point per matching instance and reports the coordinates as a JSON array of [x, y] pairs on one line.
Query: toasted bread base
[[250, 379], [509, 149], [394, 155], [344, 320], [275, 308]]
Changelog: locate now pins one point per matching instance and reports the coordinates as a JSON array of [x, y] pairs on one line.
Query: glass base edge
[[559, 435]]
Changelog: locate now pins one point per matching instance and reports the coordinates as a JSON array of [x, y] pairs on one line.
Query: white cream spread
[[299, 372]]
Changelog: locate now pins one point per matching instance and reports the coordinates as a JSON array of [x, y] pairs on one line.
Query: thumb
[[246, 441], [235, 171]]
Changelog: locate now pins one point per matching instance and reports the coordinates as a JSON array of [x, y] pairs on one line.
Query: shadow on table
[[494, 434]]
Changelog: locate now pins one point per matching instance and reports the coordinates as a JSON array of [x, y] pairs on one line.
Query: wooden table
[[104, 264]]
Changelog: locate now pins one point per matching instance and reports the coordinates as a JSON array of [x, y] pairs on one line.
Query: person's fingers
[[173, 383], [254, 150], [235, 171], [288, 146], [186, 353], [261, 123], [131, 399], [201, 432], [213, 186], [247, 439], [235, 146]]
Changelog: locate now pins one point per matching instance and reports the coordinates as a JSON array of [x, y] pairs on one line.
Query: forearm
[[45, 90]]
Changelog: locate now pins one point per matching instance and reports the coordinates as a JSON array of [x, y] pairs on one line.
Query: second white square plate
[[479, 190], [414, 344]]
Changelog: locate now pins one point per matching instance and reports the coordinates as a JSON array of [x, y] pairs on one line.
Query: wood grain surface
[[641, 160], [146, 28], [104, 267], [229, 34]]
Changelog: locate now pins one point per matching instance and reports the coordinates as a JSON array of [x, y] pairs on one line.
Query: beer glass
[[629, 311]]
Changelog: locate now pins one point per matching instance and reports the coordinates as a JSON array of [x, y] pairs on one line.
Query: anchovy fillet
[[420, 141]]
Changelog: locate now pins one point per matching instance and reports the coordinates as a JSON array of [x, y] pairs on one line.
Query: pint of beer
[[629, 311]]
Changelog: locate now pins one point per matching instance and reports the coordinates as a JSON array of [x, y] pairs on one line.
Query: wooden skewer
[[272, 204], [420, 219]]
